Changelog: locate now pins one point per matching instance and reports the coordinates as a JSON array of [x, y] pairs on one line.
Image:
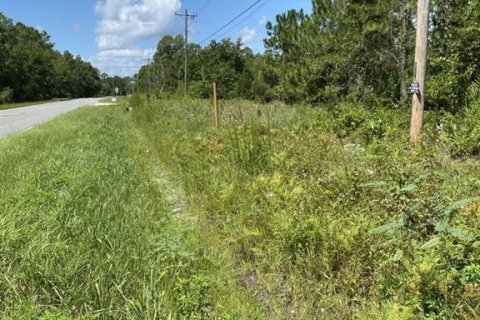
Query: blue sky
[[117, 35]]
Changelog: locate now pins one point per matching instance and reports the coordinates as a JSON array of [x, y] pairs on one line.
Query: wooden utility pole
[[186, 15], [418, 86], [216, 111]]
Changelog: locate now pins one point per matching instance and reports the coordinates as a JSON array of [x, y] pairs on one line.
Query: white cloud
[[113, 41], [248, 35], [123, 53], [123, 25], [263, 21], [127, 53], [122, 62]]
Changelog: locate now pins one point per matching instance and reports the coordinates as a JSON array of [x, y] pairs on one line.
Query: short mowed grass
[[87, 231]]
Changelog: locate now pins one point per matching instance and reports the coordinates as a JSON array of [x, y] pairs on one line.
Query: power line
[[201, 8], [204, 6], [204, 22], [188, 4], [244, 19], [231, 21]]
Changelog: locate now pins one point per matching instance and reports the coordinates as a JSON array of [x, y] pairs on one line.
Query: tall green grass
[[284, 213], [328, 213], [89, 230]]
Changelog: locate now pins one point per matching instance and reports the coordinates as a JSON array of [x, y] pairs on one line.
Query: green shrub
[[6, 95], [461, 133], [349, 118], [329, 212], [473, 92], [137, 100], [250, 146], [200, 89]]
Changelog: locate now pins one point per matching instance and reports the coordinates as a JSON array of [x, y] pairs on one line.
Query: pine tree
[[454, 53]]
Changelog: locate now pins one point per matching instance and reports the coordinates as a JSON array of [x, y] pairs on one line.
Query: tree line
[[226, 62], [31, 69], [359, 50]]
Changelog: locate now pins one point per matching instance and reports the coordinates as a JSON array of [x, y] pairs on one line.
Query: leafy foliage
[[225, 62], [347, 50], [6, 96], [33, 70], [454, 59], [328, 211]]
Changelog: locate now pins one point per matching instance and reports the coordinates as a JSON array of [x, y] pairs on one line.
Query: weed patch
[[327, 214], [86, 231]]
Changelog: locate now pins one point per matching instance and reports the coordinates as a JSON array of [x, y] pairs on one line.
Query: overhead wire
[[203, 22], [204, 6], [231, 21], [201, 8], [188, 4], [244, 19]]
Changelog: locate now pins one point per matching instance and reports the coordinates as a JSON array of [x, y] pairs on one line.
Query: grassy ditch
[[329, 213], [91, 228]]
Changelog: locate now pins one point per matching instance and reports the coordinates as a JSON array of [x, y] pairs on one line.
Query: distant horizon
[[116, 36]]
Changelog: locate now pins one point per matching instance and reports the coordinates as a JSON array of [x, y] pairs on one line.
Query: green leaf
[[460, 234], [409, 187], [374, 184], [398, 255], [389, 227], [458, 205], [441, 226], [431, 243]]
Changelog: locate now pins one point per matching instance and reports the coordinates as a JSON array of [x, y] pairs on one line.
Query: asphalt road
[[20, 119]]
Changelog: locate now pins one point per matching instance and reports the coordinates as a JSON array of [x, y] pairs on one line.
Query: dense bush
[[324, 55], [6, 95], [200, 89], [332, 213], [461, 133]]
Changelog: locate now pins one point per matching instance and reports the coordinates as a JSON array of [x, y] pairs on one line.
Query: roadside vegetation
[[325, 207], [329, 213], [308, 202], [359, 51], [90, 228], [286, 212]]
